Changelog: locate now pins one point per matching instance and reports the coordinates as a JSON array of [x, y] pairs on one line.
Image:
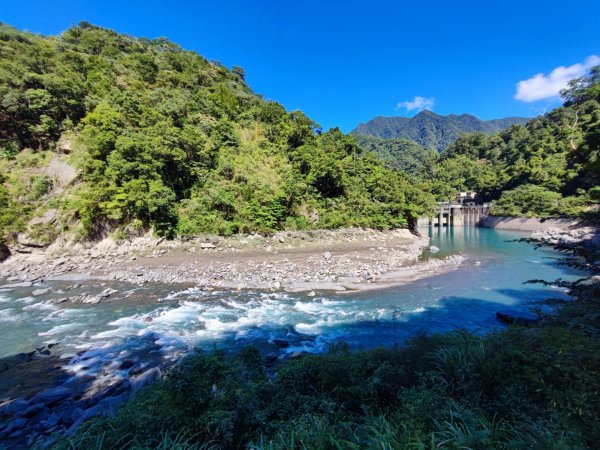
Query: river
[[161, 323]]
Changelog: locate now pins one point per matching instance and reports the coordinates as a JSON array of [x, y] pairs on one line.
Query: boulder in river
[[433, 249], [52, 396], [280, 343], [521, 318], [34, 410]]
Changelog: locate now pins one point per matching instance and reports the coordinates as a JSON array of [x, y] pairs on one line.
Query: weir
[[468, 214]]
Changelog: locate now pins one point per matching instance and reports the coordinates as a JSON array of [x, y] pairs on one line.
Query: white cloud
[[418, 103], [543, 86]]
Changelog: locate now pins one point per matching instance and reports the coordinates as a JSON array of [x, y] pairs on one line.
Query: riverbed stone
[[39, 292], [280, 343], [52, 396], [144, 378], [15, 424], [126, 364], [34, 409], [52, 420]]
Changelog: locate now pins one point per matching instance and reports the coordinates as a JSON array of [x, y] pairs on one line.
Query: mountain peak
[[432, 130], [426, 113]]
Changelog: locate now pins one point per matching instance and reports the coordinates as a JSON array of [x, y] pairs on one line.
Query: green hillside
[[399, 153], [432, 130], [102, 132], [550, 166]]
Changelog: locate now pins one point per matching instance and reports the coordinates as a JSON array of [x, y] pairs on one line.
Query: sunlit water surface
[[166, 321]]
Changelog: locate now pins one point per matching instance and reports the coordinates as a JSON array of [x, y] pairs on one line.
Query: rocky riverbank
[[335, 260], [585, 235], [42, 400]]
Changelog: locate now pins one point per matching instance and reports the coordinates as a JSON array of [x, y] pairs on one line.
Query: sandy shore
[[340, 260]]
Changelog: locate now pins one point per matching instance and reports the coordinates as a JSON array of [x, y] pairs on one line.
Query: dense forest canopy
[[399, 153], [161, 138]]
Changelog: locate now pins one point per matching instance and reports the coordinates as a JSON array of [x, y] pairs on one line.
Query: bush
[[527, 201]]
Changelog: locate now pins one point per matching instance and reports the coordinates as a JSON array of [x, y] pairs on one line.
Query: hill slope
[[102, 132], [432, 130], [398, 153]]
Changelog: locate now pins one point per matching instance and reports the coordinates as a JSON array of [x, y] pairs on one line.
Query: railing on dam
[[459, 214]]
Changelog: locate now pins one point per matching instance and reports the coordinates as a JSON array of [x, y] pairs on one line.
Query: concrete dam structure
[[449, 215]]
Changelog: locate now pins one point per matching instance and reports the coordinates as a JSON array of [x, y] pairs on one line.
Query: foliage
[[399, 153], [166, 139]]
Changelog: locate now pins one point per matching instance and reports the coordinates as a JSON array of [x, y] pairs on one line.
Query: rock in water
[[433, 249], [280, 343], [40, 292], [521, 318], [52, 396]]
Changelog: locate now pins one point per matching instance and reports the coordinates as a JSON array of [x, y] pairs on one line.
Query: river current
[[166, 321]]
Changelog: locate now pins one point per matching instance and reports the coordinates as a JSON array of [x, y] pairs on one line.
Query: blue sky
[[344, 62]]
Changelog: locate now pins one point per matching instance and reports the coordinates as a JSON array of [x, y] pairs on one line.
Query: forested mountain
[[432, 130], [102, 132], [398, 153], [549, 166]]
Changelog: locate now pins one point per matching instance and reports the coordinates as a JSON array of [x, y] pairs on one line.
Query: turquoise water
[[167, 321]]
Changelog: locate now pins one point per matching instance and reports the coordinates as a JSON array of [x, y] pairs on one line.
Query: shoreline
[[530, 224], [341, 261]]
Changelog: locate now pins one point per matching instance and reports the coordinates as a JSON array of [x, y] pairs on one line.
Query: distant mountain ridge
[[431, 130]]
